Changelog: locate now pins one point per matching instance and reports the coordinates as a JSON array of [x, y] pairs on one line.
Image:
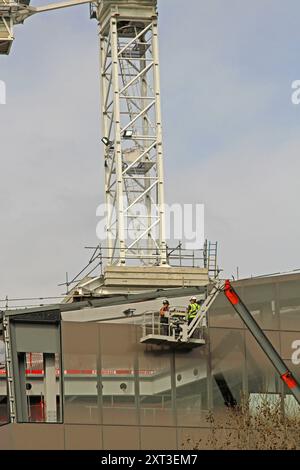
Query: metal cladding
[[262, 340]]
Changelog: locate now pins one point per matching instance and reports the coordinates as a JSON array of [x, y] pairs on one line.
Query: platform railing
[[155, 325]]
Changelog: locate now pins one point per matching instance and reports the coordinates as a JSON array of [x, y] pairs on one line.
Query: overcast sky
[[232, 137]]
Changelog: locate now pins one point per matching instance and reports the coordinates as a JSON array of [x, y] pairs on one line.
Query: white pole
[[160, 169]]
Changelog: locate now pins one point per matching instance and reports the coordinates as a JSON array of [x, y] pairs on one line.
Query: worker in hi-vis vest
[[192, 309], [164, 317]]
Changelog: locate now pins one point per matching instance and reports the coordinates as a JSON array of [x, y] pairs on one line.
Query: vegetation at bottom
[[265, 425]]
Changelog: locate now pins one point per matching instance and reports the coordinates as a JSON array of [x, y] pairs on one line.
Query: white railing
[[173, 326]]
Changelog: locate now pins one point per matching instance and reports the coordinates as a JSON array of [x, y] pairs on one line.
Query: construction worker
[[164, 317], [192, 309]]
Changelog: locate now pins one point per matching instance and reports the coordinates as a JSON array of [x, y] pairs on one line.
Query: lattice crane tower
[[131, 122]]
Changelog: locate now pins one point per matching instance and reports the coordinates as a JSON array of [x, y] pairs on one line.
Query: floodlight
[[128, 134], [105, 141]]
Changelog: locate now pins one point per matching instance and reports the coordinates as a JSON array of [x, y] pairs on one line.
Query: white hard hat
[[193, 298]]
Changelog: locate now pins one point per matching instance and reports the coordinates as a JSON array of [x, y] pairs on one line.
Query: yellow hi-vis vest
[[193, 310]]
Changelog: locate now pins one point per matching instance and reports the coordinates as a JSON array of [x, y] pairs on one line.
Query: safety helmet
[[193, 298], [166, 302]]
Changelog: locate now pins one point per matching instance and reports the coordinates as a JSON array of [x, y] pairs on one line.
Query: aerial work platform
[[177, 328], [175, 332], [161, 340]]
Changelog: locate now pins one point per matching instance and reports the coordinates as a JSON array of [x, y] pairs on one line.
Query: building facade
[[112, 392]]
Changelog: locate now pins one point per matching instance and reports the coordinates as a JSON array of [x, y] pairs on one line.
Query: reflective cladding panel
[[118, 350], [261, 375], [259, 296], [227, 348], [4, 408], [121, 438], [80, 362], [191, 381], [83, 437], [159, 438], [290, 346], [156, 369], [273, 301], [261, 299], [222, 314], [289, 304]]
